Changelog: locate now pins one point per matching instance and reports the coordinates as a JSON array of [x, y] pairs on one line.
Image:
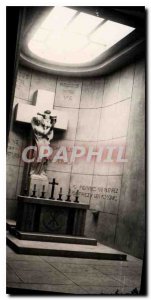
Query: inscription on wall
[[23, 84], [97, 192], [14, 150], [68, 93]]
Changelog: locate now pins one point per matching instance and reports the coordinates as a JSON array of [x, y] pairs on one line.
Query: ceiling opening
[[81, 41], [70, 37]]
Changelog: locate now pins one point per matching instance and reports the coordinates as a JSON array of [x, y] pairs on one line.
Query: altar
[[50, 216]]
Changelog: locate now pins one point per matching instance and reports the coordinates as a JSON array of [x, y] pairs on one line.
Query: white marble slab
[[88, 125], [68, 92], [40, 80], [92, 93], [23, 83]]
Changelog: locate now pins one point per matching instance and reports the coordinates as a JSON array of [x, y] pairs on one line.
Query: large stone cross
[[42, 100]]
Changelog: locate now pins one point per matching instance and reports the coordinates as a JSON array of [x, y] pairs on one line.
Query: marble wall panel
[[12, 179], [106, 228], [126, 82], [40, 80], [88, 125], [112, 194], [111, 88], [139, 82], [101, 167], [20, 183], [17, 136], [92, 93], [81, 164], [99, 183], [72, 115], [14, 150], [11, 209], [107, 123], [68, 92], [122, 110], [23, 83], [115, 167]]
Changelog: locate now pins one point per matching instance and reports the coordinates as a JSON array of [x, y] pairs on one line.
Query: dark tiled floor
[[72, 275]]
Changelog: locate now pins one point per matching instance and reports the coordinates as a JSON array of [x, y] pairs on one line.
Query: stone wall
[[102, 112]]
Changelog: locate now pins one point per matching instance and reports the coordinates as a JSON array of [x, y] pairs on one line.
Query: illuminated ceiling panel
[[84, 23], [110, 33], [69, 37]]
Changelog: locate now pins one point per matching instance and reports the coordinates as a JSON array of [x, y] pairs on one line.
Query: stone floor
[[72, 275]]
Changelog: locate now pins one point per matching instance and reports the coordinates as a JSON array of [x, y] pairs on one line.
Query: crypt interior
[[79, 229]]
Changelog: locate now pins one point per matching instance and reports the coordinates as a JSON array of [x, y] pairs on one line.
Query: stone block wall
[[102, 111]]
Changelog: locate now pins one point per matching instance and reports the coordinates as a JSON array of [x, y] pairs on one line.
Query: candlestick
[[77, 197], [69, 195], [43, 192], [60, 194], [34, 191]]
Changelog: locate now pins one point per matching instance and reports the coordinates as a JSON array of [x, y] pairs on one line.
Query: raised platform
[[44, 237], [63, 249]]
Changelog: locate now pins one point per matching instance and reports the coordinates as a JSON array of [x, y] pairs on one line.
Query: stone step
[[44, 237], [11, 227], [10, 224], [64, 250]]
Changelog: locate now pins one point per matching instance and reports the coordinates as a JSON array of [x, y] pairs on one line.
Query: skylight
[[69, 37]]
